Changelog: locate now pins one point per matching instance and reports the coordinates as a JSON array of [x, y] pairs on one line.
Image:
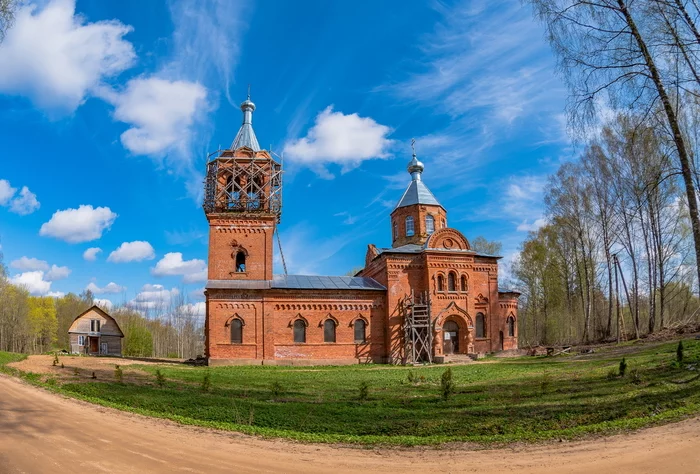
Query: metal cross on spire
[[248, 91], [413, 146]]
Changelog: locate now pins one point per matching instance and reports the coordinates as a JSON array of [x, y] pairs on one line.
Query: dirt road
[[41, 432]]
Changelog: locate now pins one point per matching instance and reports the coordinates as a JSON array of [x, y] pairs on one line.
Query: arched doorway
[[500, 341], [450, 344]]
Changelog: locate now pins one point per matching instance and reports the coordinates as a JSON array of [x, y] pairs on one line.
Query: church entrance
[[450, 331]]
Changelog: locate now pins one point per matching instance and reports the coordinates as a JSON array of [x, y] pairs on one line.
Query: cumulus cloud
[[111, 287], [103, 303], [195, 309], [153, 297], [172, 264], [57, 273], [136, 251], [533, 226], [56, 294], [25, 203], [91, 254], [33, 281], [78, 225], [160, 113], [29, 264], [339, 138], [6, 192], [55, 58]]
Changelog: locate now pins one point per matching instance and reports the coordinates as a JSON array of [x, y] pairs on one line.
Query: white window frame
[[429, 224], [410, 229], [81, 340], [94, 323]]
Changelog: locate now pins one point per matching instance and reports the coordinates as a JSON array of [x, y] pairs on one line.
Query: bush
[[55, 360], [612, 375], [447, 385], [160, 378], [545, 381], [276, 389], [636, 378], [118, 374], [364, 390], [623, 367], [679, 352], [206, 382]]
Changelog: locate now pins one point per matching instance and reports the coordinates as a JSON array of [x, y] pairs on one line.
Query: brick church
[[427, 298]]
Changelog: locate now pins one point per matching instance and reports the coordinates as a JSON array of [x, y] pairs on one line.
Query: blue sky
[[108, 109]]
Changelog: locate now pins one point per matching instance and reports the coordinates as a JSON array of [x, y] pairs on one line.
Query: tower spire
[[415, 167], [246, 135]]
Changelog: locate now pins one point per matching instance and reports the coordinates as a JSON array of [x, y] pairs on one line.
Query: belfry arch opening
[[240, 261]]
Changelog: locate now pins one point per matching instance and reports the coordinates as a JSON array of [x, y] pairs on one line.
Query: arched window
[[440, 283], [444, 223], [396, 231], [480, 325], [299, 331], [329, 331], [429, 224], [409, 226], [451, 284], [240, 262], [463, 285], [511, 326], [236, 331], [360, 328]]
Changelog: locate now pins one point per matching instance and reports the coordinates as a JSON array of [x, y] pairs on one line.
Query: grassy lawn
[[498, 400]]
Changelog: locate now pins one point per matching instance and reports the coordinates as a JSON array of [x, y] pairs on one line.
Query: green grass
[[504, 400]]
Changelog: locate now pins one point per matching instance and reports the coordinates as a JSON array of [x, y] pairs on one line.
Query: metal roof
[[417, 193], [246, 135], [310, 282]]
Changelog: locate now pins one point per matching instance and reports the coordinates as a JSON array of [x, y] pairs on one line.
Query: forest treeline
[[621, 244], [37, 324]]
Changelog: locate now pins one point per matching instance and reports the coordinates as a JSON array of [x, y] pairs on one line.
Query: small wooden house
[[94, 332]]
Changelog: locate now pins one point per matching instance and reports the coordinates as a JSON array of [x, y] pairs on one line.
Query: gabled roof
[[99, 310]]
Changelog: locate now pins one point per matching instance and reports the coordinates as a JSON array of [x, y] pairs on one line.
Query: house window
[[236, 331], [240, 262], [81, 340], [463, 285], [360, 328], [329, 331], [299, 331], [451, 282], [480, 325], [511, 326], [409, 226], [440, 283], [429, 224], [94, 325]]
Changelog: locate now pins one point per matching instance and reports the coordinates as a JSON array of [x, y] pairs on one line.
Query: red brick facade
[[254, 317]]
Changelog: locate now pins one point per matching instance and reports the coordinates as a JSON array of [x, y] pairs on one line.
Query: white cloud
[[339, 138], [25, 203], [56, 58], [172, 264], [103, 303], [196, 309], [6, 192], [91, 254], [34, 282], [57, 273], [533, 226], [78, 225], [56, 294], [136, 251], [160, 113], [30, 264], [152, 297], [111, 287]]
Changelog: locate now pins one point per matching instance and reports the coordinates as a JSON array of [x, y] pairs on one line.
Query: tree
[[481, 245], [138, 342], [7, 16]]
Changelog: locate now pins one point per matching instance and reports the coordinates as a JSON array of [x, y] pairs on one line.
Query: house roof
[[300, 282], [102, 312]]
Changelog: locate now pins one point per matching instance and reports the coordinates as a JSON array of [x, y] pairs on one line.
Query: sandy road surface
[[43, 433]]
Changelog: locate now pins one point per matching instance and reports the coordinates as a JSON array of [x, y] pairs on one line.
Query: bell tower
[[243, 205], [418, 214]]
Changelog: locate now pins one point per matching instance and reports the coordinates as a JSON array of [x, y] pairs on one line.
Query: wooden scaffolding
[[418, 331]]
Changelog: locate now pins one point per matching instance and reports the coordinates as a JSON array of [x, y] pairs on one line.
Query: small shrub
[[447, 384], [364, 390], [160, 378], [118, 374], [276, 389], [94, 376], [612, 375], [411, 377], [206, 382], [63, 366], [76, 371], [623, 367], [55, 360], [251, 416], [545, 381], [636, 378], [679, 352]]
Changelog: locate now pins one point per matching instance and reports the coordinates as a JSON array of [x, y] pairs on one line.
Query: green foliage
[[636, 377], [206, 382], [55, 360], [276, 389], [364, 390], [612, 374], [679, 352], [118, 374], [447, 384], [481, 245], [545, 381], [160, 378], [623, 367], [138, 342]]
